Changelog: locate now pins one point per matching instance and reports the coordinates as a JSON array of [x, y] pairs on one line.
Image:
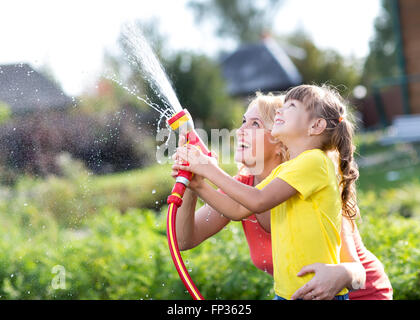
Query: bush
[[79, 194], [393, 237], [123, 257], [31, 144], [110, 249]]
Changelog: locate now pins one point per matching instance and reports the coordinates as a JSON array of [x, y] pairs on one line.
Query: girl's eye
[[256, 124]]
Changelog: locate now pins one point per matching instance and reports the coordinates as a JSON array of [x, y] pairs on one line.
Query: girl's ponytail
[[341, 139]]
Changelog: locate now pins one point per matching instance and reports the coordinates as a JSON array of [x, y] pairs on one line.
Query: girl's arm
[[330, 279], [222, 203], [254, 200]]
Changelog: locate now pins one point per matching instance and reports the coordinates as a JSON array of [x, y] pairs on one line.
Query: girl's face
[[292, 120], [254, 141]]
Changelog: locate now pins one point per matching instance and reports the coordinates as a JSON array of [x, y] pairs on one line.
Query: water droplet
[[153, 191]]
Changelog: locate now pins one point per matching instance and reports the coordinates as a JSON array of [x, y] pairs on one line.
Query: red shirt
[[378, 286]]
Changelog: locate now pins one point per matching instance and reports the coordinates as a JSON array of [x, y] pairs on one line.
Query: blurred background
[[82, 199]]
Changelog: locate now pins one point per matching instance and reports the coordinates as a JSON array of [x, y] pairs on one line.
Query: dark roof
[[24, 89], [262, 66]]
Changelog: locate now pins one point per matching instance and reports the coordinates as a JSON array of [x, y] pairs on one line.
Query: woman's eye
[[256, 124]]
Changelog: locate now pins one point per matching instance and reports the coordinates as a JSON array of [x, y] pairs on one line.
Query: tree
[[324, 66], [241, 20], [202, 90], [196, 79], [382, 59]]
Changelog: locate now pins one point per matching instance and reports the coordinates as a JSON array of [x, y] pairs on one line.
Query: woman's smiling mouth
[[243, 145]]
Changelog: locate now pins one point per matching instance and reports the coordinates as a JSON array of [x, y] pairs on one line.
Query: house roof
[[25, 90], [262, 66]]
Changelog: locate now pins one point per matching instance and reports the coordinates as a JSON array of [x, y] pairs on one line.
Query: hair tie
[[340, 119]]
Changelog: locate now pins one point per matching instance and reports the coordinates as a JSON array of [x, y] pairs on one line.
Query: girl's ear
[[317, 127]]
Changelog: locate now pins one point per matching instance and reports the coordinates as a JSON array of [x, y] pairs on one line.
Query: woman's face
[[254, 141]]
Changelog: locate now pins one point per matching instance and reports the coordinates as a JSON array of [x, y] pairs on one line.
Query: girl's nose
[[279, 111]]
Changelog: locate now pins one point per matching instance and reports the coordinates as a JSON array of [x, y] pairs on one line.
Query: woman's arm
[[193, 227], [350, 259], [330, 279]]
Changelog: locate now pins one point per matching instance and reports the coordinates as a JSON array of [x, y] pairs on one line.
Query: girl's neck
[[295, 148]]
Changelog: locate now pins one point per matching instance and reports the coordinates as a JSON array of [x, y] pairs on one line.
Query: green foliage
[[5, 112], [110, 248], [196, 79], [325, 65], [70, 199], [125, 256], [122, 256], [393, 238], [382, 59], [201, 88]]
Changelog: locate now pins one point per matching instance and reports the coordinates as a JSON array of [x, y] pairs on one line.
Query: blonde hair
[[267, 105], [325, 102]]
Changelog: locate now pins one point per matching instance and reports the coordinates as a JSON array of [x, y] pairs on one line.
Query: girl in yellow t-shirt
[[304, 195]]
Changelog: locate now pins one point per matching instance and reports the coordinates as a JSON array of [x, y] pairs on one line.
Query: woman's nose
[[243, 126]]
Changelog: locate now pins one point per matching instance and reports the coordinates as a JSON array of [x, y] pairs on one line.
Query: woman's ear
[[317, 127]]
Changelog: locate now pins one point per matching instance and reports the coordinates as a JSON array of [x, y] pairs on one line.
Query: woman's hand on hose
[[328, 281], [197, 162], [196, 180]]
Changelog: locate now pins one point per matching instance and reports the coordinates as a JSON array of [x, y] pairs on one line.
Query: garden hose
[[182, 121]]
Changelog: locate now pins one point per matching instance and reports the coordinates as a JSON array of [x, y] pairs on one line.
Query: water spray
[[142, 56], [183, 123]]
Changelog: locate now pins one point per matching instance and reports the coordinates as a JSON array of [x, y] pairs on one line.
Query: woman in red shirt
[[358, 269]]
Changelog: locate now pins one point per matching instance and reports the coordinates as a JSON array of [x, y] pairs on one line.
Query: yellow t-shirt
[[305, 229]]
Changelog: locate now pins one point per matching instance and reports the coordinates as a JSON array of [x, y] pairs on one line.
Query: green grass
[[377, 179]]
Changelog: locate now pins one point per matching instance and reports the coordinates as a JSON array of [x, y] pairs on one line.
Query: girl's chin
[[276, 133]]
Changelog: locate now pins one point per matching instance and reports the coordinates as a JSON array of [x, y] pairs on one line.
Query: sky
[[70, 37]]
